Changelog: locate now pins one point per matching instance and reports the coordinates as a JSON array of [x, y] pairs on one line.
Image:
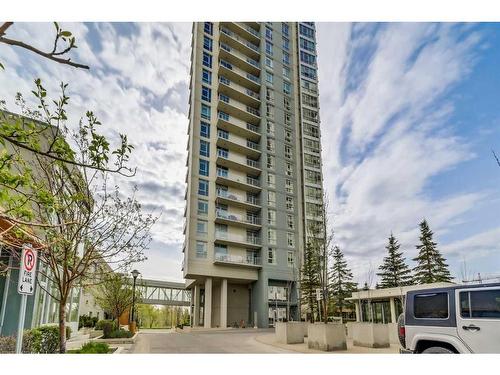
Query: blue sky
[[409, 117]]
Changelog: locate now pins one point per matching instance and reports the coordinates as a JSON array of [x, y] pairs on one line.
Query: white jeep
[[455, 319]]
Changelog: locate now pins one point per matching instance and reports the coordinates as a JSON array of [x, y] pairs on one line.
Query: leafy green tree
[[394, 271], [341, 286], [115, 295], [431, 266]]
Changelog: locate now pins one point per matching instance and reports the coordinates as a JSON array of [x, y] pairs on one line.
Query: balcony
[[235, 108], [237, 260], [225, 238], [248, 221], [237, 126], [242, 182], [238, 92], [239, 144], [234, 40], [248, 203], [238, 162], [239, 59], [238, 75], [244, 30]]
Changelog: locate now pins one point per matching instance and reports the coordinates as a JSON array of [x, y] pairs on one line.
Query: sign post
[[25, 287]]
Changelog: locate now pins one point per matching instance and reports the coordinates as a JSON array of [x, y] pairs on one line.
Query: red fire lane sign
[[27, 271]]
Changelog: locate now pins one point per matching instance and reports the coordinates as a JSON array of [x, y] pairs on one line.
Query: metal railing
[[238, 198], [249, 219], [238, 259], [251, 240]]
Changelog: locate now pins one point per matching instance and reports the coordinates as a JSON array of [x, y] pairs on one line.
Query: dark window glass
[[203, 167], [207, 76], [203, 187], [480, 304], [206, 94], [306, 31], [207, 43], [206, 112], [207, 60], [431, 306], [209, 28], [205, 129], [204, 148]]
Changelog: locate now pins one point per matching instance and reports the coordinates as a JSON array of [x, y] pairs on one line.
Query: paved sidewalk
[[270, 339]]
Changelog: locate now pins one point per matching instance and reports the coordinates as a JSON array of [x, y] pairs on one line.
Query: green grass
[[93, 348]]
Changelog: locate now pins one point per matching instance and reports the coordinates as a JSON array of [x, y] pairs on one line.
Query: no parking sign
[[27, 271]]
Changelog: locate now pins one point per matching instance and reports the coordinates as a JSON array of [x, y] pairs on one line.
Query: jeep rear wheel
[[437, 350]]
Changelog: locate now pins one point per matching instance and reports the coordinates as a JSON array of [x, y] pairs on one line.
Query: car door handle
[[471, 327]]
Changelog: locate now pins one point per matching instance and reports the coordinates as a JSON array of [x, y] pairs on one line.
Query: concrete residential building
[[254, 177]]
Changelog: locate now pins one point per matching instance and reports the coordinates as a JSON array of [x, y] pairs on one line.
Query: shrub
[[107, 328], [100, 324], [92, 348], [87, 321], [7, 344], [44, 339], [119, 334], [68, 332]]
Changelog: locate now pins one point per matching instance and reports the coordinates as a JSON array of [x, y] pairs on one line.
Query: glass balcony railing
[[238, 198], [249, 219], [238, 259], [225, 236]]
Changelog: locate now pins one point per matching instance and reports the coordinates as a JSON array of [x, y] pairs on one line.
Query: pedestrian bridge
[[168, 293]]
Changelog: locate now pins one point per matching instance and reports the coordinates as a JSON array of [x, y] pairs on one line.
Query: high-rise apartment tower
[[254, 180]]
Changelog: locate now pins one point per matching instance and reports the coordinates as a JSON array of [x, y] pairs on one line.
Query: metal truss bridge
[[156, 292]]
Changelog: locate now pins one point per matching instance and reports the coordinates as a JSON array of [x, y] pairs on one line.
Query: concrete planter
[[326, 337], [95, 333], [393, 333], [370, 335], [290, 332], [130, 340]]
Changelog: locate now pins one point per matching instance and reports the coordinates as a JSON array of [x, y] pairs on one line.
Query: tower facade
[[254, 180]]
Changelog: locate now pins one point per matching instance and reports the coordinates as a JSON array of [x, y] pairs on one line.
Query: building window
[[306, 31], [271, 256], [286, 44], [269, 48], [307, 45], [290, 239], [204, 148], [270, 111], [269, 95], [201, 249], [207, 60], [287, 103], [271, 180], [307, 58], [269, 77], [290, 222], [206, 112], [269, 33], [203, 187], [207, 76], [286, 72], [271, 198], [271, 236], [288, 136], [290, 258], [207, 43], [288, 152], [202, 227], [209, 28], [286, 58], [285, 29], [270, 162], [269, 62], [206, 94], [289, 186], [287, 88], [307, 72], [203, 167], [270, 145], [289, 203], [223, 152], [271, 217], [202, 207], [270, 128], [205, 129], [289, 169]]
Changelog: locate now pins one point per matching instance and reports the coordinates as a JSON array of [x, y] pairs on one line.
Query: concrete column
[[196, 302], [358, 315], [208, 303], [393, 310], [223, 304]]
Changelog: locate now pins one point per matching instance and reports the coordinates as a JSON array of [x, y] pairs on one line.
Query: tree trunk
[[62, 326]]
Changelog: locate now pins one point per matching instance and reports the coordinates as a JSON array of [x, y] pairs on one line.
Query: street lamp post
[[135, 274]]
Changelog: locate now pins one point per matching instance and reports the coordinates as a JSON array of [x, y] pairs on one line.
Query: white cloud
[[387, 132]]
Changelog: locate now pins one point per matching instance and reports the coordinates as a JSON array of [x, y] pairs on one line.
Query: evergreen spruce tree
[[431, 266], [309, 281], [341, 286], [394, 271]]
